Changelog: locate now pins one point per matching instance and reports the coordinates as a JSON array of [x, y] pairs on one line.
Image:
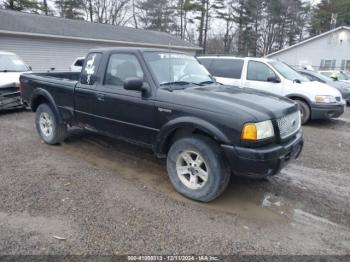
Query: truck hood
[[318, 88], [9, 77], [235, 101]]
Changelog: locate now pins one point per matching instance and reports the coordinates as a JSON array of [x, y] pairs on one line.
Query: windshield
[[342, 76], [335, 75], [12, 63], [287, 71], [176, 68], [323, 77]]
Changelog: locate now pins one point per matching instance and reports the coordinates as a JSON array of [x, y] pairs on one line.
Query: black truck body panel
[[152, 117]]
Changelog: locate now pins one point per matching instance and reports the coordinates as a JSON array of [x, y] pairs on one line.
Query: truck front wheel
[[197, 169], [48, 126]]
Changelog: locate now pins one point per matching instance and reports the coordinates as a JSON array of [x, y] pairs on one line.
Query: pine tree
[[72, 9], [23, 5], [157, 15]]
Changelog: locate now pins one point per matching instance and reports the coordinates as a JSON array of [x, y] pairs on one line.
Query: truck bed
[[58, 86]]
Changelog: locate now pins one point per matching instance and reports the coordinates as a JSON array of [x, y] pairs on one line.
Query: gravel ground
[[104, 196]]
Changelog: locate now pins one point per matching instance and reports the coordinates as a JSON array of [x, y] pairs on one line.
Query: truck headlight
[[257, 131], [325, 99]]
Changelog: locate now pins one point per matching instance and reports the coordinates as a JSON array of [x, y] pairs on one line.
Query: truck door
[[260, 76], [124, 112], [85, 94]]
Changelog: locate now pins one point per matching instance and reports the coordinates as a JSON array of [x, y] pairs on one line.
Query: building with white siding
[[46, 42], [330, 50]]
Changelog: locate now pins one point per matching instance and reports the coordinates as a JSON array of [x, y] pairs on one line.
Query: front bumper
[[325, 111], [263, 161], [10, 100]]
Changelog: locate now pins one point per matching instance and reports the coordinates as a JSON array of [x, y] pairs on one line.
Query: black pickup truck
[[168, 101]]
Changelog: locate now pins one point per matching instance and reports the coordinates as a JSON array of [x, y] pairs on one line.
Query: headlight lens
[[325, 99], [257, 131]]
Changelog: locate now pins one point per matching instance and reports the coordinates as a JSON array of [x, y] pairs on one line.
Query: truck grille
[[289, 124]]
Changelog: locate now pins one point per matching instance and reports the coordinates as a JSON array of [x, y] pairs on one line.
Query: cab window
[[120, 68], [258, 71], [89, 73]]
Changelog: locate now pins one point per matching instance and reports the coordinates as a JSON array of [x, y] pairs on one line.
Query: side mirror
[[273, 79], [30, 68], [133, 84]]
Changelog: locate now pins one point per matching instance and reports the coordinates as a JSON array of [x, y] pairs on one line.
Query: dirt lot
[[108, 197]]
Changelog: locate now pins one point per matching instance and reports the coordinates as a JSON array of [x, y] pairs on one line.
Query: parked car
[[168, 102], [336, 75], [316, 100], [343, 88], [77, 65], [10, 97], [11, 67]]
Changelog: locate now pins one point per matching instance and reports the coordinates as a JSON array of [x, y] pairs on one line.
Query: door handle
[[100, 97]]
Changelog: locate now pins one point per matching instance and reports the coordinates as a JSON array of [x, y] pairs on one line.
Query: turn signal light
[[249, 132]]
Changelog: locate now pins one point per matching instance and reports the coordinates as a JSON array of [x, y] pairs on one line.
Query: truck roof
[[262, 59], [141, 49]]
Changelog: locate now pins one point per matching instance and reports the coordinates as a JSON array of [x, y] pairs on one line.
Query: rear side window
[[258, 71], [206, 62], [89, 72], [228, 68]]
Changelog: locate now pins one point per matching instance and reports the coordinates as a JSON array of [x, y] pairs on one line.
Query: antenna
[[170, 70]]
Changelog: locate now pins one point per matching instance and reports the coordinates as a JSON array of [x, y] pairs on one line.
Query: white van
[[316, 100]]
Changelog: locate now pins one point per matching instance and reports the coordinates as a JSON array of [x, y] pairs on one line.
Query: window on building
[[328, 64], [347, 65]]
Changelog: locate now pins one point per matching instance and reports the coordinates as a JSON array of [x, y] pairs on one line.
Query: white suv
[[316, 100]]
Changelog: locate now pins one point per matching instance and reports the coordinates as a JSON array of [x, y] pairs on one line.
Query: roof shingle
[[49, 25]]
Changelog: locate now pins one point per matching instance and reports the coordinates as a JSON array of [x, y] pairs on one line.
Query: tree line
[[239, 27]]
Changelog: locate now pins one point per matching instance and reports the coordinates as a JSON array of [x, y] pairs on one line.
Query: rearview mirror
[[273, 79], [133, 84]]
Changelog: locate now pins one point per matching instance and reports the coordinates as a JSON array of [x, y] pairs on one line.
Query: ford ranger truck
[[167, 101]]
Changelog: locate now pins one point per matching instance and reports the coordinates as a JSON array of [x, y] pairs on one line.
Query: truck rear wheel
[[197, 169], [48, 127]]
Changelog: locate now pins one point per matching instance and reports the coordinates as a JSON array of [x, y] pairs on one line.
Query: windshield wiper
[[180, 83], [207, 82]]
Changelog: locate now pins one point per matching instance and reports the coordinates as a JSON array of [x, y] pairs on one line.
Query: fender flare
[[300, 96], [187, 122], [40, 92]]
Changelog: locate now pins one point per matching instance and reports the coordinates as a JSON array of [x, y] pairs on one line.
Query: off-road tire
[[59, 131], [218, 170]]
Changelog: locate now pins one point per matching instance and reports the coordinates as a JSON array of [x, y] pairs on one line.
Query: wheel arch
[[300, 97], [41, 96], [184, 126]]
